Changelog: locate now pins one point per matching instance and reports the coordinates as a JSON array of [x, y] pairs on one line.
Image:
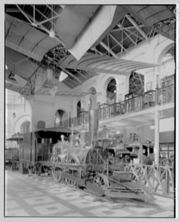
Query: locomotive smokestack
[[93, 117]]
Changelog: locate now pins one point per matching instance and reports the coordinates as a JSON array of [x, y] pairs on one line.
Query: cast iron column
[[156, 138]]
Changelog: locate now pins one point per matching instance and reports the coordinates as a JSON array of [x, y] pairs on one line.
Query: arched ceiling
[[48, 36]]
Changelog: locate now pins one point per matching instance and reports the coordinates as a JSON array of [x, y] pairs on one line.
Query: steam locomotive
[[98, 168]]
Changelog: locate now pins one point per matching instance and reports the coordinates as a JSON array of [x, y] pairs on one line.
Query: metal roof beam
[[97, 51], [73, 76], [137, 27], [125, 28], [135, 33], [34, 13], [12, 10], [30, 19], [132, 40], [117, 42], [52, 10], [48, 20], [109, 50], [41, 13], [25, 14]]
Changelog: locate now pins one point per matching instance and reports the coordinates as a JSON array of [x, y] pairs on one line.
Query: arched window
[[111, 91], [170, 54], [58, 117], [167, 68], [168, 62], [78, 109]]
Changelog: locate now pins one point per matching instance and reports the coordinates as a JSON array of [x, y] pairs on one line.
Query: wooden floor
[[35, 196]]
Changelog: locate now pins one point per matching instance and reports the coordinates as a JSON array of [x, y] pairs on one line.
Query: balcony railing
[[147, 100]]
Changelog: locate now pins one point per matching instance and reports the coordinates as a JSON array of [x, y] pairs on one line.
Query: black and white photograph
[[90, 111]]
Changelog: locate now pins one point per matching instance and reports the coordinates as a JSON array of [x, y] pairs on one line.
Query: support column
[[156, 138], [127, 84], [121, 88], [93, 118], [34, 127]]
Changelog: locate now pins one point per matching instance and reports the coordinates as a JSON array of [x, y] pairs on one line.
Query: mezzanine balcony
[[149, 99]]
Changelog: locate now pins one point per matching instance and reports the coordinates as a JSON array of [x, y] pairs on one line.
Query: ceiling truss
[[126, 34], [44, 21]]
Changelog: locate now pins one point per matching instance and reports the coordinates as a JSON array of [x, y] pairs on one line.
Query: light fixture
[[6, 67], [62, 76]]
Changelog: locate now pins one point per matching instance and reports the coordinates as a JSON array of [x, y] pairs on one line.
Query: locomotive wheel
[[101, 180], [57, 174], [98, 185]]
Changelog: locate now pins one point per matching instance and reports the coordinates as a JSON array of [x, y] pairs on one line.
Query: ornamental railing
[[149, 99]]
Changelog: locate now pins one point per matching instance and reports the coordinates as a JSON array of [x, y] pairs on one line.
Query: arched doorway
[[59, 115], [18, 111], [111, 91], [25, 127]]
